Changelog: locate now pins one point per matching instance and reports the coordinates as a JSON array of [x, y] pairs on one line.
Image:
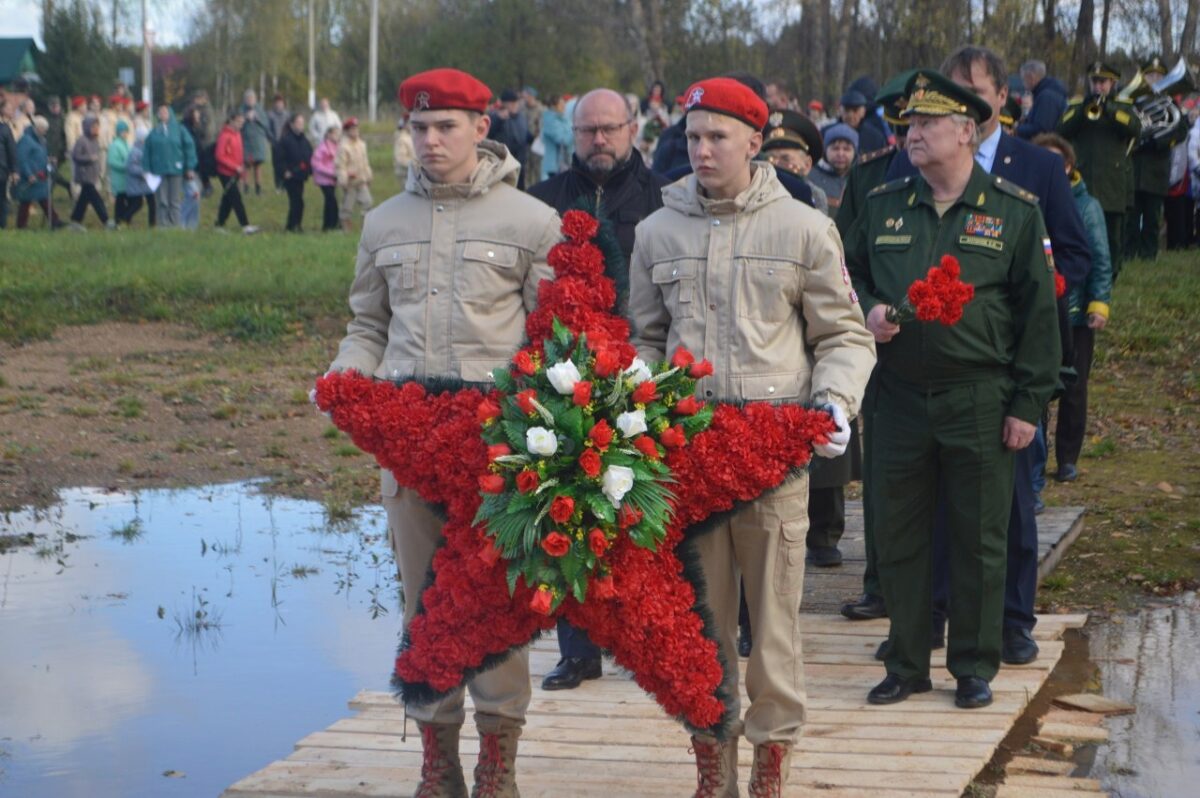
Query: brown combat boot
[[716, 767], [769, 772], [441, 770], [496, 771]]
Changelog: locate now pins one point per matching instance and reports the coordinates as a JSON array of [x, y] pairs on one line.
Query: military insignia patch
[[899, 223], [984, 226], [1049, 250], [421, 101], [846, 280], [890, 223], [775, 119], [695, 97]]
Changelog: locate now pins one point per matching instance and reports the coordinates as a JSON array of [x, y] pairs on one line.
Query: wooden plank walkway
[[608, 739]]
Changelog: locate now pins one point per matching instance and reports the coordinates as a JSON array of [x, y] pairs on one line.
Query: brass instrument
[[1095, 109], [1159, 114]]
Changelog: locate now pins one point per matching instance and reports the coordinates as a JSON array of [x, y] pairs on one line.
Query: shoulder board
[[1122, 101], [1012, 189], [1077, 100], [890, 186], [867, 157]]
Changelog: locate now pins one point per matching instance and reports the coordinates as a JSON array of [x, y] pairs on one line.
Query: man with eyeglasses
[[611, 176]]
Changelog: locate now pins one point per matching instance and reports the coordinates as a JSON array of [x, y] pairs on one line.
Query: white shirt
[[986, 155]]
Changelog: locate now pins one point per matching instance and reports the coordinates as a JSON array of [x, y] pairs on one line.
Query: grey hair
[[976, 132], [1035, 70]]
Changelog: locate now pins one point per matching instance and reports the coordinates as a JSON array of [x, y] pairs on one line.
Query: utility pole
[[312, 59], [373, 69], [147, 66]]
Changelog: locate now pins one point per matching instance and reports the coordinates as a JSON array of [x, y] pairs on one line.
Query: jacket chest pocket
[[766, 288], [676, 279], [399, 266], [488, 271]]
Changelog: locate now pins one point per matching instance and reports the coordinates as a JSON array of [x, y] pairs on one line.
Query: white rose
[[632, 423], [638, 371], [563, 376], [539, 440], [616, 482]]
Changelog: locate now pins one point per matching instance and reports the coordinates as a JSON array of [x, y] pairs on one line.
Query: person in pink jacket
[[325, 176]]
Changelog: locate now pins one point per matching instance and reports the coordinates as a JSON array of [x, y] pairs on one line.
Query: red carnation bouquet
[[940, 297]]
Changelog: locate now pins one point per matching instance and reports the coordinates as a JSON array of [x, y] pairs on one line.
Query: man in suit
[[1027, 166]]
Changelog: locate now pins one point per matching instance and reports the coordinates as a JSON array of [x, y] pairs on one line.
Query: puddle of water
[[1152, 660], [199, 631]]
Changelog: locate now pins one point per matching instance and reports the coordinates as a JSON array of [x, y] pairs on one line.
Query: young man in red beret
[[446, 273], [743, 275]]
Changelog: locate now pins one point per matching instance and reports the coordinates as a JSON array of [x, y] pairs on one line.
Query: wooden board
[[1091, 702], [609, 739]]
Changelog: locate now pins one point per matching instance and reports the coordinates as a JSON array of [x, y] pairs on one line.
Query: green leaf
[[699, 422], [504, 380], [515, 432], [492, 505], [571, 422], [514, 573], [601, 507], [562, 333], [579, 588]]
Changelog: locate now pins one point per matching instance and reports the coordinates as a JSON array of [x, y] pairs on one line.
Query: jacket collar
[[684, 194], [496, 165], [617, 176], [975, 195]]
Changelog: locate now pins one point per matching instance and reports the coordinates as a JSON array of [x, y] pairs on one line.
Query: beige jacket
[[755, 284], [351, 159], [402, 151], [446, 274]]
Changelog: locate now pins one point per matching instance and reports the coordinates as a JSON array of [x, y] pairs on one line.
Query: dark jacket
[[297, 155], [1049, 102], [86, 156], [56, 138], [671, 152], [631, 193], [513, 133], [31, 158], [8, 151], [1097, 293]]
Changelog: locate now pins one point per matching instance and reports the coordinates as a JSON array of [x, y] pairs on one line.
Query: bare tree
[[643, 20], [1166, 37], [1187, 37], [1085, 39], [847, 20], [1104, 28]]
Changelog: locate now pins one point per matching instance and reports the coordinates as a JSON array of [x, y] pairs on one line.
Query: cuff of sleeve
[[826, 396], [1026, 408], [1098, 307]]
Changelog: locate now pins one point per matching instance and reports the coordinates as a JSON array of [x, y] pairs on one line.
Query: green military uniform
[[1151, 180], [939, 396], [1102, 154]]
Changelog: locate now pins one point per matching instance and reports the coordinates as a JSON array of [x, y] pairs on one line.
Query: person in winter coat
[[322, 119], [324, 170], [510, 127], [256, 136], [277, 119], [169, 153], [8, 163], [557, 137], [231, 165], [86, 157], [197, 127], [1088, 304], [297, 165], [118, 164], [402, 151], [137, 190], [1049, 101], [33, 171], [354, 173]]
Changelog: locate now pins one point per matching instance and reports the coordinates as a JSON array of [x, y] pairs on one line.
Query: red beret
[[351, 121], [78, 101], [142, 105], [444, 90], [727, 96]]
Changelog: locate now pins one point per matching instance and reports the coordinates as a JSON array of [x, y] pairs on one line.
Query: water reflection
[[1152, 660], [200, 631]]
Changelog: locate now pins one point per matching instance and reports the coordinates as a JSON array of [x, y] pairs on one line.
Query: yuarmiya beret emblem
[[421, 101], [695, 96]]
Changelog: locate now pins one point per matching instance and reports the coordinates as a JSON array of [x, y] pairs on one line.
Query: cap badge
[[695, 96], [775, 119], [421, 101]]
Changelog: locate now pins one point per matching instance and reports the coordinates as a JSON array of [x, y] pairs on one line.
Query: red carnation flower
[[682, 358], [489, 553], [556, 544], [603, 588], [688, 406], [589, 461], [607, 362], [491, 483], [524, 363], [524, 400], [673, 437], [541, 601], [700, 370], [487, 411], [646, 446], [601, 434], [583, 393], [561, 509], [497, 450], [527, 481], [597, 542], [1060, 284], [629, 516], [580, 226], [645, 393], [597, 339]]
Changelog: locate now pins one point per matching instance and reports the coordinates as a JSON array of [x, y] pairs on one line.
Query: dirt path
[[139, 405]]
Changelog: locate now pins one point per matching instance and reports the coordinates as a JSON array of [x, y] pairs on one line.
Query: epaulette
[[867, 157], [890, 186], [1076, 100], [1012, 189]]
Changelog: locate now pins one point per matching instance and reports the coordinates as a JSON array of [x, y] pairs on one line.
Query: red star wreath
[[573, 487]]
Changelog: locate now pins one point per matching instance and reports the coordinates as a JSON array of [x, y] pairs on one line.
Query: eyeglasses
[[590, 131]]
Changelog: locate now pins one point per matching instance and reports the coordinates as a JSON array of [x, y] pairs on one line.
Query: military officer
[[1102, 128], [1152, 177], [792, 144], [446, 272], [950, 405], [737, 271]]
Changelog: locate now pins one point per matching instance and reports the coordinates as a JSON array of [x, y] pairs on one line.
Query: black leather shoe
[[937, 641], [867, 608], [569, 672], [745, 641], [825, 556], [972, 693], [1067, 473], [895, 689], [1019, 647]]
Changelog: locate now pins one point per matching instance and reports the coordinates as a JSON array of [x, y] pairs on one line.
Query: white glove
[[839, 438]]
